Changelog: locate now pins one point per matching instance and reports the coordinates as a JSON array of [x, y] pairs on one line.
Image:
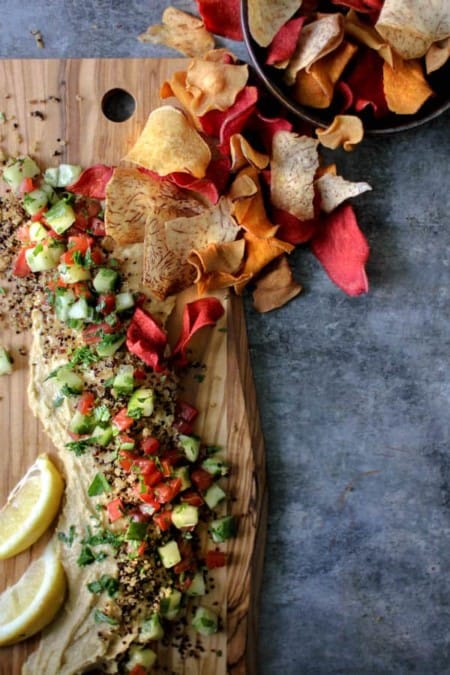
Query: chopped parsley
[[84, 356], [99, 485], [101, 617], [88, 556], [105, 583], [79, 447], [69, 537]]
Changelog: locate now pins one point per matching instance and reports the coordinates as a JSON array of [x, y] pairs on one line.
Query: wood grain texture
[[69, 95]]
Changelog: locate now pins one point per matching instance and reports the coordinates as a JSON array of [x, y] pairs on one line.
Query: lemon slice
[[31, 507], [34, 600]]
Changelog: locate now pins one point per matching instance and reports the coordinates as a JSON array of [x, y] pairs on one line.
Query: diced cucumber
[[44, 256], [182, 472], [38, 232], [191, 446], [62, 175], [205, 621], [123, 382], [197, 586], [222, 529], [141, 403], [107, 346], [63, 301], [170, 554], [170, 603], [105, 280], [102, 435], [20, 168], [69, 381], [139, 656], [52, 197], [214, 495], [81, 424], [81, 310], [151, 629], [124, 301], [34, 201], [126, 445], [216, 466], [6, 366], [184, 515], [60, 216], [72, 274]]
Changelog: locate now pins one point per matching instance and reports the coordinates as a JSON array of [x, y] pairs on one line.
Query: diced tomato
[[185, 411], [149, 444], [184, 427], [192, 497], [202, 479], [148, 497], [96, 256], [139, 374], [21, 267], [172, 456], [138, 670], [215, 559], [115, 509], [166, 491], [23, 233], [27, 185], [81, 289], [79, 242], [126, 440], [93, 333], [97, 227], [122, 420], [141, 548], [74, 436], [86, 402], [126, 459], [38, 216], [166, 468], [106, 303], [68, 257], [152, 479], [183, 566], [163, 520], [52, 234]]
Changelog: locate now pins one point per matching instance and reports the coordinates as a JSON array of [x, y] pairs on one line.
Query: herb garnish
[[68, 538], [105, 583], [99, 485]]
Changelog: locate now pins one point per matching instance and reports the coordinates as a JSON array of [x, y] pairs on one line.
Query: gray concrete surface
[[354, 397]]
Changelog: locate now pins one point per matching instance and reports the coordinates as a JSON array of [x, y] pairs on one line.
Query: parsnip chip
[[317, 39], [248, 204], [242, 154], [365, 34], [170, 143], [214, 85], [405, 86], [437, 55], [294, 163], [266, 18], [334, 190], [259, 253], [181, 31], [411, 26], [275, 288], [345, 131], [315, 88]]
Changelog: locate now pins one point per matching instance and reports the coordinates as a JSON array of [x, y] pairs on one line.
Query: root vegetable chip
[[130, 196], [259, 253], [276, 287], [284, 43], [196, 315], [248, 204], [243, 154], [345, 131], [266, 18], [294, 163], [267, 127], [405, 86], [437, 55], [293, 230], [214, 85], [366, 34], [317, 39], [222, 18], [146, 339], [334, 190], [223, 124], [343, 251], [365, 84], [363, 6], [411, 26], [170, 143], [92, 182], [181, 31], [215, 258]]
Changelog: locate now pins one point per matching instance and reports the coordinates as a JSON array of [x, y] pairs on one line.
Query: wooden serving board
[[53, 111]]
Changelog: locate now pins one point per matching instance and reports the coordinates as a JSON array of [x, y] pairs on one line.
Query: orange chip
[[214, 85], [176, 86], [315, 88], [217, 265], [248, 204], [276, 287], [170, 143], [181, 31], [365, 34], [259, 253], [242, 153], [345, 131], [266, 18], [405, 86]]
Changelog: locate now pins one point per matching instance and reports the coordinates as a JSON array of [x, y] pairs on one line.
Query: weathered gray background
[[354, 396]]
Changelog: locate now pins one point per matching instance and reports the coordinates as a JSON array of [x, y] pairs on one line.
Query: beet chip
[[293, 230], [196, 315], [267, 127], [366, 83], [146, 339], [343, 250], [363, 6], [222, 18], [92, 182], [285, 41], [223, 124]]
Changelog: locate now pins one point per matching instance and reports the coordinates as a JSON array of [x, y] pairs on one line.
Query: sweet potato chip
[[259, 253], [345, 131], [222, 18], [284, 43], [248, 204], [181, 31], [294, 163], [334, 190], [411, 26], [317, 39], [170, 143], [405, 86], [218, 257], [276, 287], [437, 55], [315, 88], [266, 18], [243, 154], [365, 34], [214, 85]]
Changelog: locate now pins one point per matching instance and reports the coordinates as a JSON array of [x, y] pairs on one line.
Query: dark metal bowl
[[272, 79]]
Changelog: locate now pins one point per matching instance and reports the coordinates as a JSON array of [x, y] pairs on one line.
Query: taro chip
[[317, 39], [259, 253], [366, 34], [248, 204], [129, 197], [170, 143], [295, 161], [222, 18], [284, 43], [181, 31], [214, 85], [411, 26], [345, 131], [405, 86], [243, 154], [223, 124], [437, 55], [276, 287], [266, 18], [334, 190]]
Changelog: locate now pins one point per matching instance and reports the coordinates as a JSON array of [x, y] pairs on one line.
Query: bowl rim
[[302, 112]]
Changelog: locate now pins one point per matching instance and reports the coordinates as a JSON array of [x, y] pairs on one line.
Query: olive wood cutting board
[[55, 111]]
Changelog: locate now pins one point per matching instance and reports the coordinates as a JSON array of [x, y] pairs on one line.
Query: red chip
[[343, 250], [363, 6], [267, 127], [222, 17], [92, 182], [196, 315], [223, 124], [365, 81], [293, 230], [285, 41], [146, 339]]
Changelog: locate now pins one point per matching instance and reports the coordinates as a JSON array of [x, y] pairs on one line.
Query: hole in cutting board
[[118, 105]]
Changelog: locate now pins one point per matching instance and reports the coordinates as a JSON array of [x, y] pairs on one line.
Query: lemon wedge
[[34, 600], [30, 507]]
